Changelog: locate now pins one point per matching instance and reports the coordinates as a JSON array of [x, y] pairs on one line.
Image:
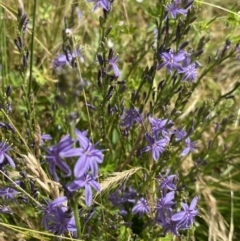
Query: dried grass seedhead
[[117, 179], [36, 172]]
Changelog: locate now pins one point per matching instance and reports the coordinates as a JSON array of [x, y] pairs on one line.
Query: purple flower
[[78, 54], [171, 60], [163, 206], [8, 193], [184, 219], [5, 209], [157, 147], [115, 198], [130, 117], [129, 195], [189, 70], [190, 147], [45, 137], [168, 183], [49, 209], [141, 207], [166, 202], [61, 222], [164, 219], [160, 126], [54, 158], [174, 9], [112, 62], [4, 148], [105, 4], [66, 59], [60, 61], [120, 198], [89, 156], [179, 134], [86, 182]]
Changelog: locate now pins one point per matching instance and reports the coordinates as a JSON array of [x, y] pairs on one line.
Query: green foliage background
[[218, 185]]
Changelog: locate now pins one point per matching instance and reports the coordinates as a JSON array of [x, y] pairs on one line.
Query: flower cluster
[[125, 198], [7, 195], [57, 218], [161, 132], [122, 197], [181, 62], [86, 167], [159, 138], [165, 216]]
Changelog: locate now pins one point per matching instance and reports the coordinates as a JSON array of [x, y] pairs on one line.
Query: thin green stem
[[76, 215], [32, 48], [217, 6]]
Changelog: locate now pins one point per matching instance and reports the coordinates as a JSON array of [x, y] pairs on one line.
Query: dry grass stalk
[[217, 225]]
